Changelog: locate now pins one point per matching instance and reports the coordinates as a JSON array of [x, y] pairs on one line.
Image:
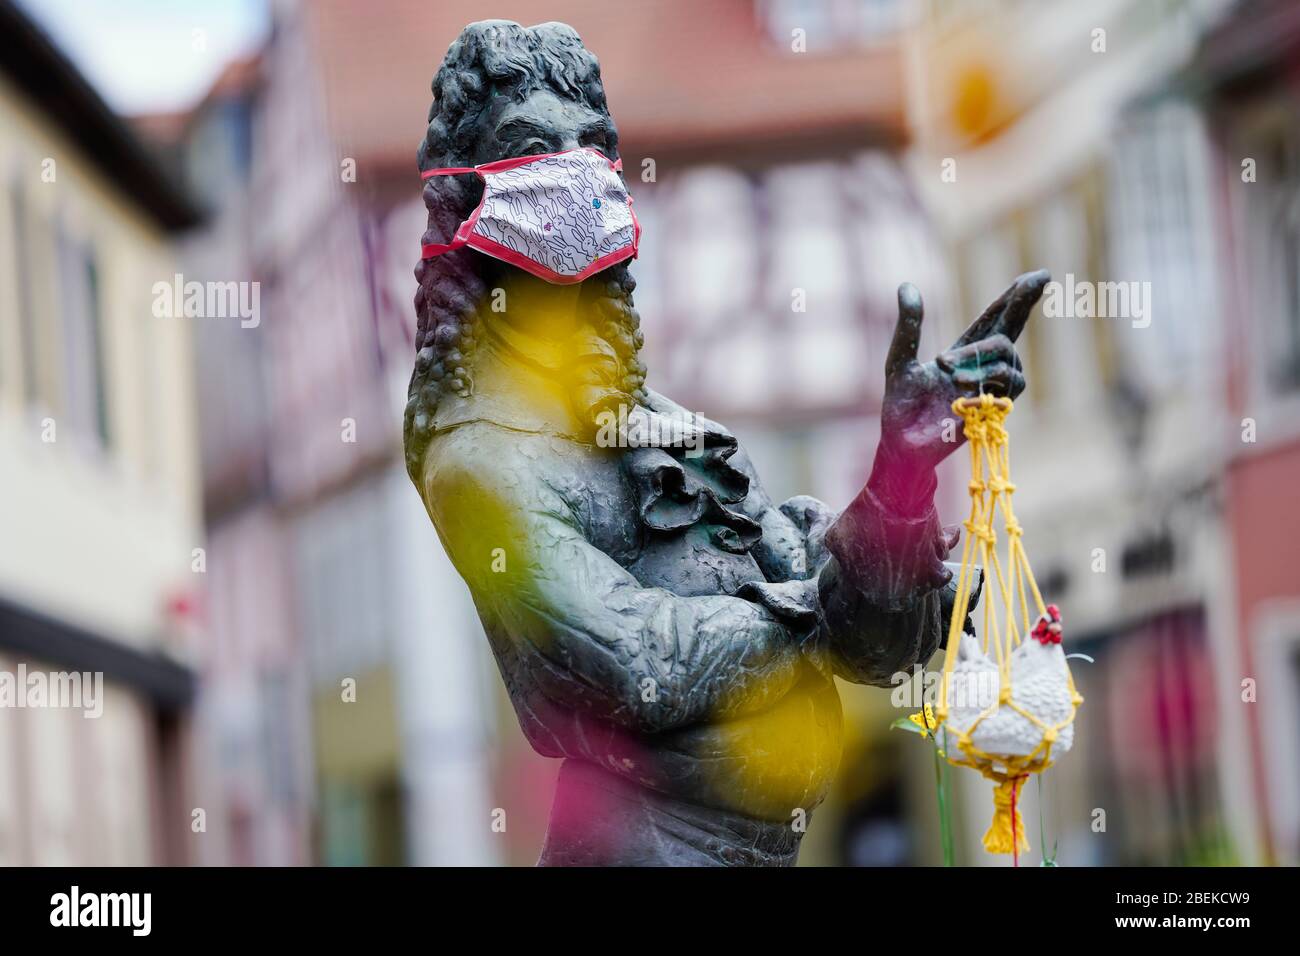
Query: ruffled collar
[[680, 469], [678, 461]]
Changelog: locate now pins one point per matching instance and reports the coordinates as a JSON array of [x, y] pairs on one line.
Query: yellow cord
[[990, 493]]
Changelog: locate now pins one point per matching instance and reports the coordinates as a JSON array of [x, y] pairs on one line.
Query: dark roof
[[50, 80], [33, 636]]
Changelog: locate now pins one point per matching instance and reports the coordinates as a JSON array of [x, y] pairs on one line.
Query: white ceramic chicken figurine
[[1040, 685], [1009, 714]]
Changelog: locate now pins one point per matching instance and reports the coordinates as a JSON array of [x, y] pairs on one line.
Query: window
[[35, 261], [1161, 236], [26, 307], [714, 216], [1269, 215], [1284, 239], [83, 341]]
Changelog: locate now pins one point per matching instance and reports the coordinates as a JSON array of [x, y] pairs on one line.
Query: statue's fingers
[[1017, 384], [988, 351], [980, 327], [947, 540], [907, 333], [951, 535], [996, 379], [992, 374], [1029, 289]]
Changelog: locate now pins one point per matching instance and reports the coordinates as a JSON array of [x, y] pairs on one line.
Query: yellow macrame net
[[1006, 618]]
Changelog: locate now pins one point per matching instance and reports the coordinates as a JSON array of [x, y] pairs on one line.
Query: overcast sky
[[149, 56]]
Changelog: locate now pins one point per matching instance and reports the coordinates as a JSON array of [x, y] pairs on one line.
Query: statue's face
[[542, 123]]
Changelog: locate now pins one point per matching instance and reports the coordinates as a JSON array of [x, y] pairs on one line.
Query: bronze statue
[[659, 622]]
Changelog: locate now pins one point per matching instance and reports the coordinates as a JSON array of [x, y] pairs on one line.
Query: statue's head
[[503, 90]]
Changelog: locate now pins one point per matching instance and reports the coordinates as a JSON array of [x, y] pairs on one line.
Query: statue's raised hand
[[916, 420]]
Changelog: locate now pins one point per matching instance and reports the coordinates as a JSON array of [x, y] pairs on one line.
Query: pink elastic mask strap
[[430, 249], [448, 171]]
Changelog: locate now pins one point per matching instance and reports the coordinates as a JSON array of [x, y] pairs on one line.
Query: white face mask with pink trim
[[561, 216]]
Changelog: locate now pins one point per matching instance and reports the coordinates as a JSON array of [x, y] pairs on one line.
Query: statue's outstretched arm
[[881, 580]]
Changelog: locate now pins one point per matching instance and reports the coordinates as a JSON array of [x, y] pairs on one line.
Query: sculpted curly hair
[[495, 58]]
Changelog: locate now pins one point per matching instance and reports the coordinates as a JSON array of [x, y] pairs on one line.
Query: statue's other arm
[[583, 630], [878, 568], [883, 582]]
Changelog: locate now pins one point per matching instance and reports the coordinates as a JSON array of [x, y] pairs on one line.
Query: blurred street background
[[214, 511]]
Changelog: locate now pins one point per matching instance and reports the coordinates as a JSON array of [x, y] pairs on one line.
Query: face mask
[[561, 216]]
